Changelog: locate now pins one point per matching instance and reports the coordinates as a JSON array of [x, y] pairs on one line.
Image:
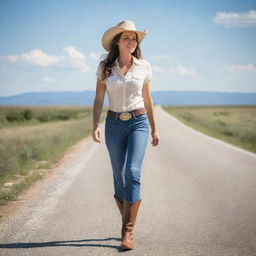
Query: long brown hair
[[111, 57]]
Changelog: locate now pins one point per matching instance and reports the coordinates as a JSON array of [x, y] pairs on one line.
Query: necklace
[[128, 64]]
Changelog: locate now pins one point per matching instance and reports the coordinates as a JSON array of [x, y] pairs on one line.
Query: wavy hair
[[111, 57]]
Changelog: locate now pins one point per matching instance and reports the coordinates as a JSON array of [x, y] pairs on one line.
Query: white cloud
[[233, 19], [48, 79], [39, 58], [186, 71], [244, 68], [162, 57], [71, 60], [178, 69], [12, 58], [95, 56], [36, 58], [75, 58], [158, 69], [73, 53]]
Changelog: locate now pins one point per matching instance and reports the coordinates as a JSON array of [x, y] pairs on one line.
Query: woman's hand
[[96, 134], [155, 138]]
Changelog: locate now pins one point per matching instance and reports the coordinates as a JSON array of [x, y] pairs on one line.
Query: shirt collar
[[135, 61]]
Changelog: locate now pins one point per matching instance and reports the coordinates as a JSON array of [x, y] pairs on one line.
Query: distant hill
[[159, 97], [203, 98]]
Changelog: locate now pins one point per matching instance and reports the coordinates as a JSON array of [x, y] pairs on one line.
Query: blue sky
[[52, 45]]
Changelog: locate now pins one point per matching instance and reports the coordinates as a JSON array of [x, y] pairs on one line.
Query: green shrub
[[15, 116], [220, 122], [227, 132], [221, 113], [28, 114]]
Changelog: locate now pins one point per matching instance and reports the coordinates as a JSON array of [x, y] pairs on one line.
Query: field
[[233, 124], [32, 139]]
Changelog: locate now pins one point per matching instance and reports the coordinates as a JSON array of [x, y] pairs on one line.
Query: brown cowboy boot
[[120, 206], [129, 219]]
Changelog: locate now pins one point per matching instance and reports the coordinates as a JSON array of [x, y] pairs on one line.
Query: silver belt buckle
[[125, 116]]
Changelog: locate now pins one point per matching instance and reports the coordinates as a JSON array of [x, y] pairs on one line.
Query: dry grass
[[233, 124], [25, 145]]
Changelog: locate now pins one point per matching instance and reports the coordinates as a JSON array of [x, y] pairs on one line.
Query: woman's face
[[127, 42]]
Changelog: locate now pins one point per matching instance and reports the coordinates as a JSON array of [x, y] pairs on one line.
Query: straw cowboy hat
[[126, 25]]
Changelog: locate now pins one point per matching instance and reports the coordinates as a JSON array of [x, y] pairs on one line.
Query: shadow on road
[[76, 243]]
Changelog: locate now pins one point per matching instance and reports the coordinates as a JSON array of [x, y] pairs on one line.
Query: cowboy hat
[[126, 25]]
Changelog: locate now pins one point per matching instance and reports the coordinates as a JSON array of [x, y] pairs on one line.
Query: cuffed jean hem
[[132, 202], [122, 200], [119, 199]]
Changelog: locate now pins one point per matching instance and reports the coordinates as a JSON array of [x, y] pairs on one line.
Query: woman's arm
[[97, 109], [149, 105]]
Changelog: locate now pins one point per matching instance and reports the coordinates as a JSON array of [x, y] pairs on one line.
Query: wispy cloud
[[95, 56], [186, 71], [233, 19], [71, 59], [48, 79], [241, 68], [158, 69], [11, 58], [36, 57], [162, 57], [178, 69]]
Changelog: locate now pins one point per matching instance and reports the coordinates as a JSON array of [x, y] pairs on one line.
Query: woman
[[126, 78]]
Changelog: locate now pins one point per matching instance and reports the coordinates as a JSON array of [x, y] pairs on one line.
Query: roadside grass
[[12, 116], [29, 148], [233, 124], [11, 193]]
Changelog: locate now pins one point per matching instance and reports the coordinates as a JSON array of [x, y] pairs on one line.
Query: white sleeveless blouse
[[125, 91]]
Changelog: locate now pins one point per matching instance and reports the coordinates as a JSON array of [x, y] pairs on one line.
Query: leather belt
[[124, 116]]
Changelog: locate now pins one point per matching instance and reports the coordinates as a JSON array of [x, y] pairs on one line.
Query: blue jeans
[[126, 142]]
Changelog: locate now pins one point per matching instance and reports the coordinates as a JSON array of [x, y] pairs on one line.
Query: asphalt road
[[198, 198]]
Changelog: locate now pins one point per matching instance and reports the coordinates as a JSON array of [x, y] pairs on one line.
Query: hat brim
[[112, 32]]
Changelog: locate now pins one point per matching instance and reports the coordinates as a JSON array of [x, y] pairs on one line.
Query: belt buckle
[[125, 116]]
